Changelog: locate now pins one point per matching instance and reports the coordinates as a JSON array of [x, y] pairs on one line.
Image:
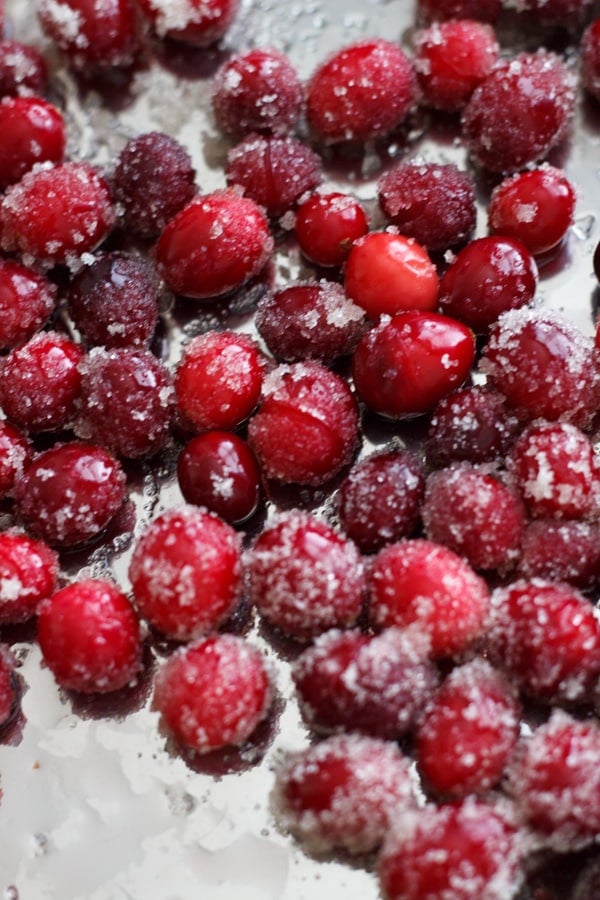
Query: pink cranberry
[[213, 693], [304, 577], [327, 225], [22, 69], [306, 427], [196, 22], [27, 300], [15, 455], [185, 572], [441, 10], [33, 131], [69, 494], [558, 550], [28, 574], [90, 637], [92, 34], [407, 364], [590, 59], [364, 90], [215, 245]]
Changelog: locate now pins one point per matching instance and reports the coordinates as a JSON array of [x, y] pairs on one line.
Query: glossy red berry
[[590, 59], [559, 550], [326, 226], [15, 455], [199, 23], [28, 575], [27, 300], [441, 10], [23, 69], [33, 131], [92, 34]]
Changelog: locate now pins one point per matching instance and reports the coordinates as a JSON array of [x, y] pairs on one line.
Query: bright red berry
[[27, 299], [15, 455], [33, 131], [28, 574], [196, 22], [326, 226], [92, 34], [559, 550]]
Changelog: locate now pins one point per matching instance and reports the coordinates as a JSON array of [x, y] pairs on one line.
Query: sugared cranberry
[[546, 637], [92, 34], [327, 225], [114, 301], [377, 685], [27, 300], [28, 574], [488, 277], [57, 212], [406, 365], [213, 693], [314, 320], [304, 577], [451, 59], [590, 59], [215, 245], [544, 365], [432, 203], [196, 22], [520, 111], [257, 91], [558, 550], [154, 179], [273, 171], [534, 207], [218, 380], [218, 470], [380, 499], [441, 10], [468, 732], [386, 273], [459, 851], [7, 688], [69, 494], [33, 131], [15, 454], [425, 584], [306, 427], [364, 90], [90, 637], [22, 69], [342, 793], [185, 572], [40, 382]]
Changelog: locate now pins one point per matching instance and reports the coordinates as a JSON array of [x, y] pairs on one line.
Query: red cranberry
[[92, 34], [22, 69], [196, 22], [7, 689], [304, 577], [90, 637], [257, 91], [40, 382], [433, 203], [520, 111], [28, 574], [546, 636], [15, 455], [57, 212], [441, 10], [342, 793], [185, 572], [451, 59], [568, 14], [558, 550], [488, 277], [387, 273], [33, 131], [545, 367], [27, 300], [468, 732], [460, 851], [218, 380], [215, 245], [154, 180], [69, 494], [534, 207], [590, 59], [218, 470], [377, 685], [425, 584], [364, 90], [380, 498], [273, 171], [327, 225], [310, 321], [213, 693], [306, 427], [406, 365]]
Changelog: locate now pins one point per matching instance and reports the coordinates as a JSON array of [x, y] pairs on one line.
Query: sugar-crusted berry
[[27, 300], [92, 34], [15, 455], [199, 23], [33, 131], [327, 224], [28, 574], [559, 550], [23, 69]]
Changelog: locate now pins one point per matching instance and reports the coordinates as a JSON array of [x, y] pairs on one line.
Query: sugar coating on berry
[[22, 70], [28, 574], [559, 550], [199, 23], [15, 455], [93, 34], [27, 299]]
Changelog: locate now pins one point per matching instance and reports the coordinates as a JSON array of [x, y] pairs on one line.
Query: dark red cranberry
[[441, 10], [257, 91], [558, 550], [364, 90], [433, 203], [33, 131], [488, 277], [273, 171], [22, 69], [40, 382], [587, 885], [92, 34], [590, 59], [196, 22], [154, 179], [408, 363], [327, 225], [310, 321], [7, 685], [520, 111], [28, 575], [15, 455], [215, 245], [218, 470], [379, 500], [213, 693], [567, 14], [69, 494], [304, 577], [27, 300], [306, 427]]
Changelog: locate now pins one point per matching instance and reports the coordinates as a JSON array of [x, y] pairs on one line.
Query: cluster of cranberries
[[443, 594]]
